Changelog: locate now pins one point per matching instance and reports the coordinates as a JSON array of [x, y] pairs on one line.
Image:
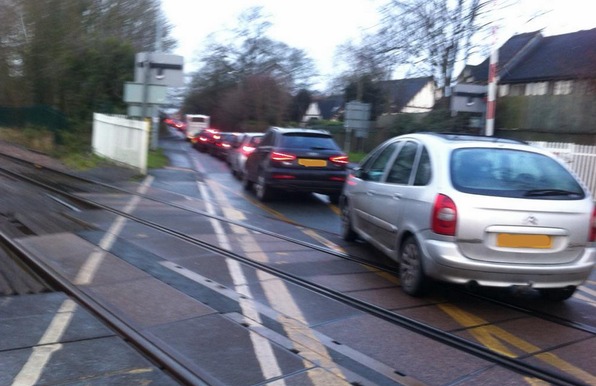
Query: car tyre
[[557, 294], [246, 183], [347, 232], [334, 198], [411, 270], [262, 190]]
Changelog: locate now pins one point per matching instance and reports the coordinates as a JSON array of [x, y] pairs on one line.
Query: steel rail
[[413, 325], [148, 348], [382, 267]]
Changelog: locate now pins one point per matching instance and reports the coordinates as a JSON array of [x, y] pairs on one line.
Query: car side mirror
[[360, 173]]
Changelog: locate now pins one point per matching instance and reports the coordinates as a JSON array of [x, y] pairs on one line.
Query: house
[[313, 113], [324, 108], [544, 84], [332, 107], [413, 95]]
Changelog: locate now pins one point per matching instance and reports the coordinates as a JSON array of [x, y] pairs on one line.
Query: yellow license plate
[[509, 240], [312, 162]]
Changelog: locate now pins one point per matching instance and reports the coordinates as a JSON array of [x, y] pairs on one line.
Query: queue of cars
[[471, 210]]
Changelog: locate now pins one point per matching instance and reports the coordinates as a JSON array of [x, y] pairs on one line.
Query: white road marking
[[42, 352], [275, 290], [262, 347]]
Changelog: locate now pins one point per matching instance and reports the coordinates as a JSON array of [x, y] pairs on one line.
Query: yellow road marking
[[497, 339]]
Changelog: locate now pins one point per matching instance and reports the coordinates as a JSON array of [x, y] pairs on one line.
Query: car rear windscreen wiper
[[551, 192]]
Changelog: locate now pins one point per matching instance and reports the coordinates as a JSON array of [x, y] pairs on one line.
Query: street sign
[[136, 110], [164, 69], [135, 93], [358, 118]]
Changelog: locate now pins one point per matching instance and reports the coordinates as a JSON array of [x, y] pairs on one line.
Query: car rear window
[[308, 141], [512, 173]]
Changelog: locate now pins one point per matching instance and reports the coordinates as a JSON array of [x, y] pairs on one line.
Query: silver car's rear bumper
[[444, 262]]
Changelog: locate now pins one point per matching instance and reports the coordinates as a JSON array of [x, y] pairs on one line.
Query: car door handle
[[397, 196], [370, 193]]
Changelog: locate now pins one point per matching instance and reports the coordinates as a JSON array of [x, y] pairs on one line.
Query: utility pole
[[154, 112], [491, 102]]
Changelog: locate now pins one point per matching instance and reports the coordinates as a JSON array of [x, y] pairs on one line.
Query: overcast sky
[[319, 26]]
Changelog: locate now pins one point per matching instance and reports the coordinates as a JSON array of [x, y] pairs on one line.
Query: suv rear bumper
[[322, 182]]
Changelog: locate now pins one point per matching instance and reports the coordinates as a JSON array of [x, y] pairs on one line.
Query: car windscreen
[[308, 141], [512, 173]]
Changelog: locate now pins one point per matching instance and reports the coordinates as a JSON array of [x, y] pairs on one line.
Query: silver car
[[473, 210], [247, 143]]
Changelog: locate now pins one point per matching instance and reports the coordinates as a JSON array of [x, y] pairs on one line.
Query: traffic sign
[[163, 69]]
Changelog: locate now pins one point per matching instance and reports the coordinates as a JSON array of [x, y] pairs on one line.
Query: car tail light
[[276, 156], [246, 150], [337, 178], [593, 226], [351, 180], [339, 159], [444, 218]]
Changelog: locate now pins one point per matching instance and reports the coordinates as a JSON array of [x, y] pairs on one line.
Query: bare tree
[[430, 36], [260, 75], [366, 61], [13, 37]]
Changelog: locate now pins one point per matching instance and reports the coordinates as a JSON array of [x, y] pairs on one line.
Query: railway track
[[69, 189]]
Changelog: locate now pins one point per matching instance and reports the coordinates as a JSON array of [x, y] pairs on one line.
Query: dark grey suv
[[296, 159]]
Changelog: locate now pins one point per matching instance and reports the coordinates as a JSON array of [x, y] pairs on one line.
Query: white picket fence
[[580, 158], [122, 140]]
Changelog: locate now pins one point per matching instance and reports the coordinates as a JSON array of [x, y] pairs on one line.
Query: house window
[[538, 88], [562, 87], [503, 90]]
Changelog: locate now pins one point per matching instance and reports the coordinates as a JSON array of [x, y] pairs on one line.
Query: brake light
[[248, 149], [593, 226], [276, 156], [444, 218], [339, 159]]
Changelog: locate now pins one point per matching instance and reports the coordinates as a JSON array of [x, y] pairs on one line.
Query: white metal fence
[[122, 140], [580, 158]]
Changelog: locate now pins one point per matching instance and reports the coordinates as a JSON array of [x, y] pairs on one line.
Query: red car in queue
[[205, 140], [223, 145], [176, 124]]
